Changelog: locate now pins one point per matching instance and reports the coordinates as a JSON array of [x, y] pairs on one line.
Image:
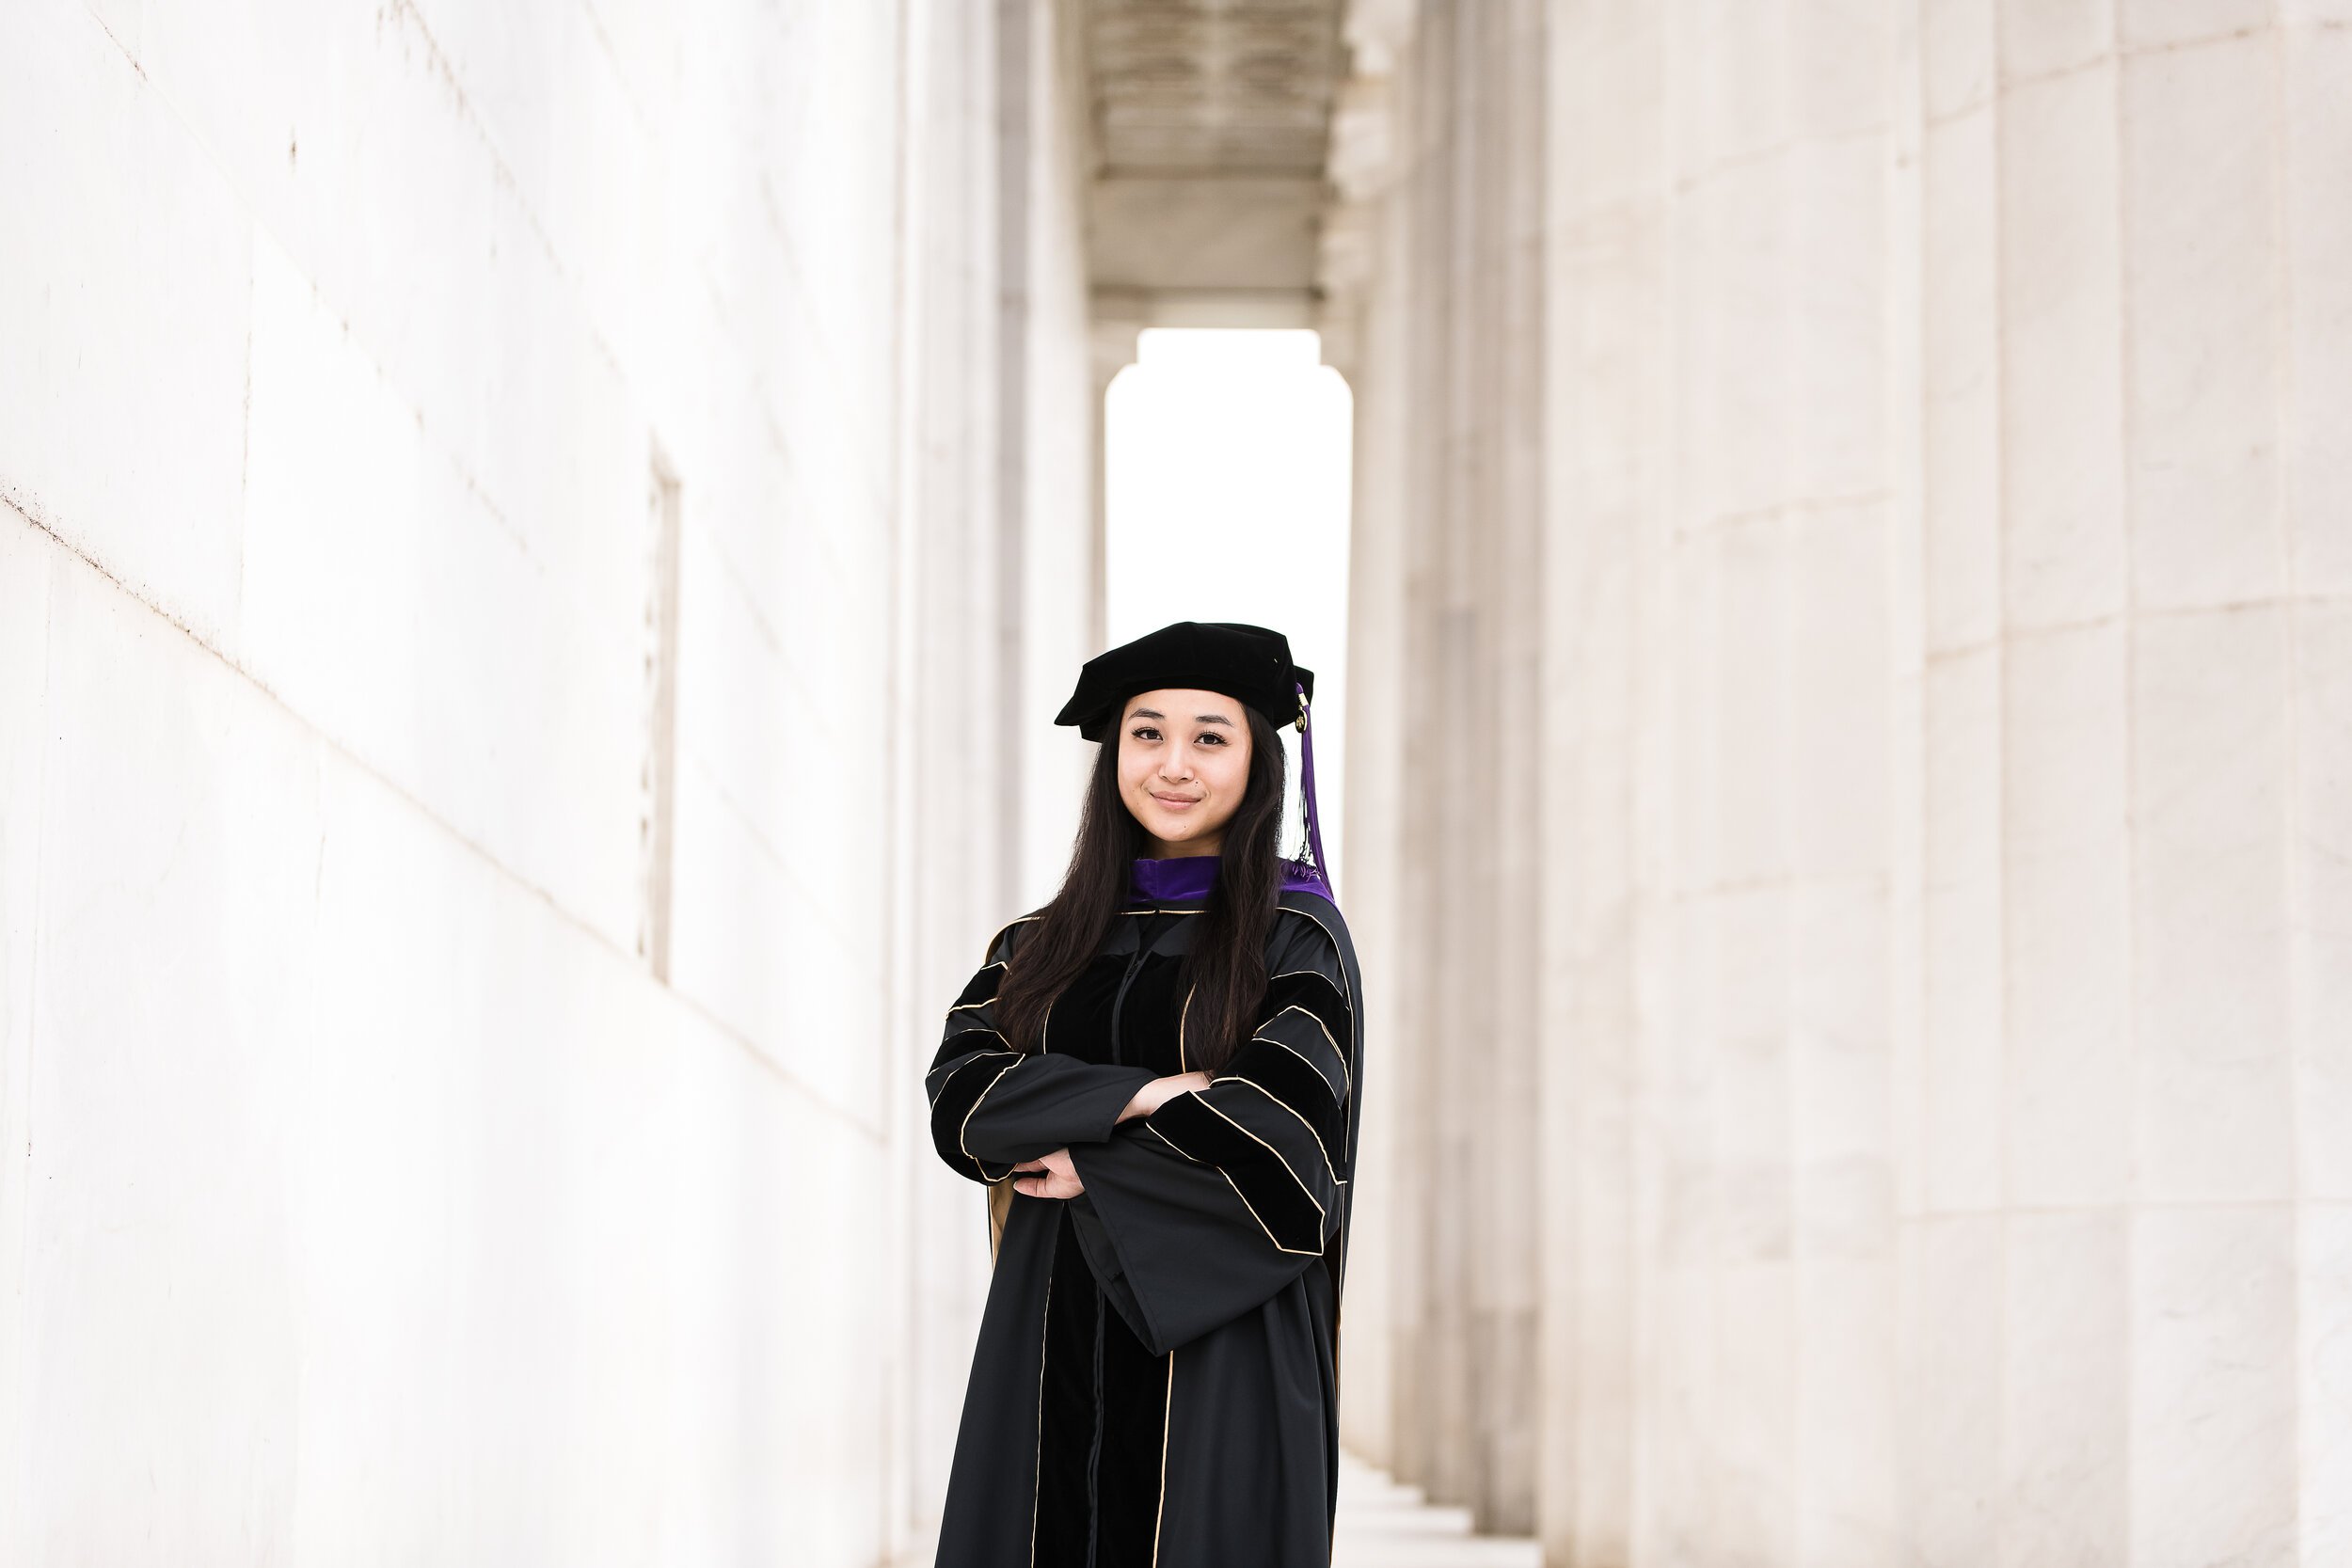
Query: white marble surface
[[106, 179], [366, 1199], [1943, 741]]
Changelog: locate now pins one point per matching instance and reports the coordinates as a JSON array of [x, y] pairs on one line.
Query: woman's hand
[[1052, 1176], [1160, 1091]]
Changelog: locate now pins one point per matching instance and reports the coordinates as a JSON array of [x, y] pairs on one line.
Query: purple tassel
[[1307, 786]]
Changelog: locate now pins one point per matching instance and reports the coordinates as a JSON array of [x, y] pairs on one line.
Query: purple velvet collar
[[1187, 880]]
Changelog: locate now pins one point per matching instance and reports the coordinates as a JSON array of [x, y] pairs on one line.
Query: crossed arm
[[1054, 1174], [1272, 1124]]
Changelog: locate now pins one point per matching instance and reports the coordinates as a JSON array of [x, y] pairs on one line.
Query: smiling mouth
[[1175, 802]]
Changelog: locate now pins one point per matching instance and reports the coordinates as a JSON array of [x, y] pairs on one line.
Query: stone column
[[1448, 407], [1608, 558], [2125, 1204], [1361, 242], [1939, 797], [1111, 340]]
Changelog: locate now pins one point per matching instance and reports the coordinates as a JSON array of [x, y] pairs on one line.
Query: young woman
[[1156, 1074]]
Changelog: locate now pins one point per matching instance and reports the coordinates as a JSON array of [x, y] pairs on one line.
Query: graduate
[[1156, 1075]]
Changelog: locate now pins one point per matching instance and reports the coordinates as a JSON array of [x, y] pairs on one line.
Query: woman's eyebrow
[[1197, 718]]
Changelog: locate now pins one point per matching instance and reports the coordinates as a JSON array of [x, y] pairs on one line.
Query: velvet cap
[[1250, 664]]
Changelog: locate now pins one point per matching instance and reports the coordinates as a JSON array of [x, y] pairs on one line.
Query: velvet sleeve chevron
[[1274, 1121], [992, 1106]]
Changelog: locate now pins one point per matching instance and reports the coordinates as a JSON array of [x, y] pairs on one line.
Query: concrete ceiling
[[1212, 118]]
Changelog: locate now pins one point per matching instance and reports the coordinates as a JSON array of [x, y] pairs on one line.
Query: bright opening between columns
[[1227, 466]]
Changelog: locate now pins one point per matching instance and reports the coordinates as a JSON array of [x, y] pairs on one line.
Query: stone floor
[[1382, 1524]]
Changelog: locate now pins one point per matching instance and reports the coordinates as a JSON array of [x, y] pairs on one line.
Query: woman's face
[[1183, 764]]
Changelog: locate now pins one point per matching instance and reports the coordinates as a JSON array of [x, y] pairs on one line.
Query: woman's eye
[[1211, 734], [1145, 732]]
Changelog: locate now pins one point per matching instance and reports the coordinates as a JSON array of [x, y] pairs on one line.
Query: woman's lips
[[1174, 802]]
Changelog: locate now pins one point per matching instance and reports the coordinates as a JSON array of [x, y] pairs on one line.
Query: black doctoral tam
[[1250, 664]]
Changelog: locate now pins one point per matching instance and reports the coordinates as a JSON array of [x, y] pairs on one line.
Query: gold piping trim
[[1301, 1008], [1182, 1064], [1268, 1040], [1036, 1468], [1167, 1406], [957, 1063], [1000, 931], [976, 1029], [965, 1125], [969, 1006], [952, 1069], [1254, 1138], [1338, 985], [1347, 994], [1296, 1251], [1237, 1078]]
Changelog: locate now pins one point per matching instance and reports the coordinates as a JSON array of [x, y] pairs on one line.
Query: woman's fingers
[[1051, 1175]]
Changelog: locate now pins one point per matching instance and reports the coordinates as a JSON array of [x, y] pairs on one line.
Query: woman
[[1155, 1073]]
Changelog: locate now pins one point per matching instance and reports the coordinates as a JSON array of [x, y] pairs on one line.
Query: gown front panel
[[1122, 1008], [1103, 1408]]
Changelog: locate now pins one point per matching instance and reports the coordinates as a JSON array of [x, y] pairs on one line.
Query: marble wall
[[370, 1193], [1937, 759]]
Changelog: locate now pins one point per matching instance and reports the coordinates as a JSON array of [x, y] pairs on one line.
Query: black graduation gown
[[1155, 1383]]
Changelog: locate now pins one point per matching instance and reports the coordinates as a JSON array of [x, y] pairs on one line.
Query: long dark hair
[[1224, 971]]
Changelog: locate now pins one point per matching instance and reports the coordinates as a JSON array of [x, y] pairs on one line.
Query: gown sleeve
[[1212, 1203], [993, 1106]]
